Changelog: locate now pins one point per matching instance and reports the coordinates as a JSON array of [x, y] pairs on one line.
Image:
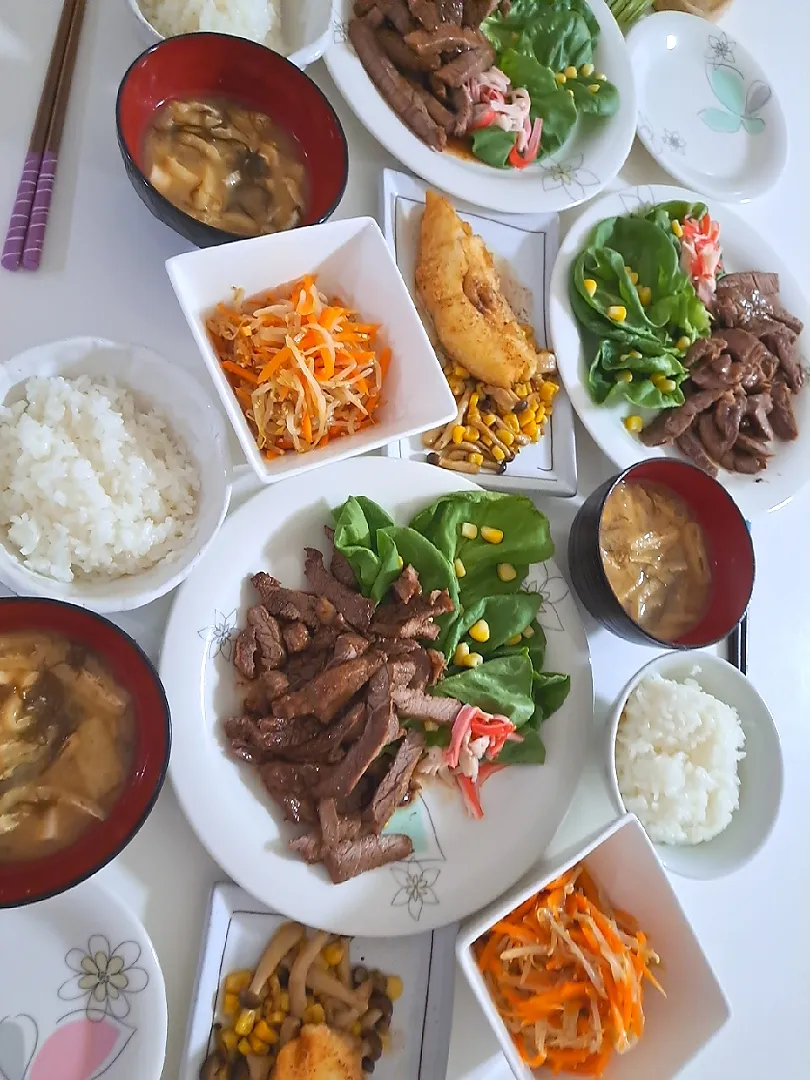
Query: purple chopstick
[[21, 212], [35, 237]]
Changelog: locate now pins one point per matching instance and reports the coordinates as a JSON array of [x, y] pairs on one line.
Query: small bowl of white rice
[[694, 753], [113, 473], [297, 29]]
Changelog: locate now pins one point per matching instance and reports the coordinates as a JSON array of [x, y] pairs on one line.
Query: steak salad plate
[[549, 54], [738, 361], [453, 858]]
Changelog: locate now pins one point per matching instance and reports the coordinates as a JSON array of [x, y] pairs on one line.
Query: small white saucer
[[707, 112]]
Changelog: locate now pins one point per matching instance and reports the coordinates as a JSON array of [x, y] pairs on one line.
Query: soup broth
[[655, 559], [67, 732], [226, 165]]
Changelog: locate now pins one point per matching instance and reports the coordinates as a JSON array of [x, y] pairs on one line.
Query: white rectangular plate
[[524, 249], [238, 930]]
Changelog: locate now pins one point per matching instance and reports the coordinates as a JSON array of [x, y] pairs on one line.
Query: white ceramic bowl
[[192, 414], [760, 771], [623, 862], [306, 26], [350, 259]]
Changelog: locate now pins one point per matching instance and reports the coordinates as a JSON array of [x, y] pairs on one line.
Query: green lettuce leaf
[[493, 145], [503, 686]]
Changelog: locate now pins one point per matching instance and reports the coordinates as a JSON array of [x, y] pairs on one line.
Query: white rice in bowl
[[256, 20], [92, 484], [677, 752]]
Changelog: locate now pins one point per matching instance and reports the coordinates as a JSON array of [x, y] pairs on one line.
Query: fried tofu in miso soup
[[226, 165], [67, 733]]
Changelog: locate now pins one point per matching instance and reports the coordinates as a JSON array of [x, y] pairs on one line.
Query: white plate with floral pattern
[[458, 864], [584, 165], [81, 992]]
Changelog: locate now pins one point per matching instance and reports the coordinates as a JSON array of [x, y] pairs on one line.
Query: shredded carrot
[[304, 368], [566, 972]]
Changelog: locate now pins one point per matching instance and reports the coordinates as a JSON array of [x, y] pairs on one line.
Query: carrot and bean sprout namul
[[566, 972], [305, 369]]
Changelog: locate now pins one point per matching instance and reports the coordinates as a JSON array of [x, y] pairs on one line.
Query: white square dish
[[524, 249], [350, 259], [623, 862], [238, 930]]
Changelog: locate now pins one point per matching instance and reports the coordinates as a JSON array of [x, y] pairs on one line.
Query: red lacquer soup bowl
[[35, 879], [218, 65]]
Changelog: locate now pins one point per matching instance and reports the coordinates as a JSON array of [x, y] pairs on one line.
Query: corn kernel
[[279, 1016], [457, 386], [492, 536], [527, 417], [470, 434], [460, 568], [333, 953], [469, 530], [461, 654], [522, 390], [511, 421], [644, 295], [560, 77], [633, 423], [229, 1040], [632, 274], [657, 378], [540, 415], [460, 372], [516, 640], [682, 344], [230, 1005], [487, 439], [590, 286], [677, 228], [617, 312], [245, 1021], [570, 92], [570, 72], [475, 397], [490, 419], [244, 1047], [400, 562], [394, 987], [479, 631], [458, 434], [600, 76], [264, 1032], [666, 386], [355, 1029], [634, 354], [548, 391], [528, 632], [283, 1000], [314, 1015], [257, 1047], [238, 980], [531, 431], [475, 459], [498, 454], [593, 87], [474, 660], [624, 376], [586, 70], [506, 572], [507, 437]]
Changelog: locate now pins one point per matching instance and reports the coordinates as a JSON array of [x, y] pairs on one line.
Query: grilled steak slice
[[381, 728], [671, 423], [398, 13], [450, 11], [758, 408], [309, 846], [425, 11], [715, 371], [740, 462], [782, 343], [394, 787], [475, 11], [268, 686], [704, 349], [293, 604], [290, 787], [334, 826], [437, 111], [340, 567], [269, 644], [363, 7], [403, 669], [302, 668], [325, 747], [355, 609], [715, 443], [463, 108], [746, 298], [444, 39], [468, 65], [403, 56], [782, 417], [691, 445], [413, 620], [407, 586], [296, 637], [330, 691], [418, 706], [437, 665], [402, 98], [348, 647], [758, 448], [244, 652], [353, 857]]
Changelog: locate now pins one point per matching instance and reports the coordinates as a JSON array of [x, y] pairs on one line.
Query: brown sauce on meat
[[655, 559], [461, 148]]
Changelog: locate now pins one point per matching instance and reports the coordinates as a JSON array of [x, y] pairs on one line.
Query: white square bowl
[[350, 259], [623, 862]]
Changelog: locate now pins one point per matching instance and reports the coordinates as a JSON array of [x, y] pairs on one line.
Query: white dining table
[[103, 275]]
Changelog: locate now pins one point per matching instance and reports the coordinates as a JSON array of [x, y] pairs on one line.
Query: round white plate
[[81, 992], [587, 162], [743, 249], [458, 865], [722, 130]]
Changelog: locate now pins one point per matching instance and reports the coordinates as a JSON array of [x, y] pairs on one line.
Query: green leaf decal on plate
[[728, 86], [754, 125], [758, 96], [718, 120]]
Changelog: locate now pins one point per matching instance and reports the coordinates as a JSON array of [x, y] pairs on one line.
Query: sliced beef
[[437, 665], [330, 691], [334, 826], [425, 11], [468, 65], [475, 11], [296, 637], [418, 706], [746, 350], [439, 90], [705, 348], [293, 604], [728, 415], [782, 343], [714, 372], [715, 443], [407, 586], [348, 647], [436, 109], [340, 566], [351, 725], [443, 40], [758, 408], [363, 7], [403, 56], [398, 13], [746, 298], [290, 786], [309, 846], [244, 652], [462, 106], [240, 731], [782, 417], [672, 423], [403, 670], [394, 787], [740, 462], [265, 690], [749, 444], [422, 670], [302, 668], [355, 609], [450, 11], [381, 728], [269, 643], [326, 747], [353, 857], [402, 98], [412, 620], [691, 445]]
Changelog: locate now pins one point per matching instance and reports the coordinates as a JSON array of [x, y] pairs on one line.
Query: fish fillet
[[461, 291], [319, 1053]]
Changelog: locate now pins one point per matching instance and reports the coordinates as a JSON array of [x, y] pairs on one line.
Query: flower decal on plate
[[553, 589], [415, 887], [220, 635], [673, 141], [340, 32], [720, 49], [106, 977], [569, 175]]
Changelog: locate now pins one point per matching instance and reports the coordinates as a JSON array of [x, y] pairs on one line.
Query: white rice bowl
[[256, 20], [677, 755], [91, 484]]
